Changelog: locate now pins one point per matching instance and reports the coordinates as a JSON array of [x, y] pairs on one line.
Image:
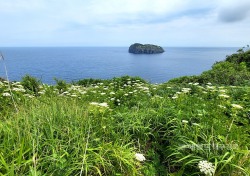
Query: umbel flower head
[[206, 167], [140, 157]]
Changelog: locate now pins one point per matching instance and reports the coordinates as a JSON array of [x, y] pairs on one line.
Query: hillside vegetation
[[197, 125]]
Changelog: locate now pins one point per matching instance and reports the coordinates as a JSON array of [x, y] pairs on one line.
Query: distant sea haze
[[75, 63]]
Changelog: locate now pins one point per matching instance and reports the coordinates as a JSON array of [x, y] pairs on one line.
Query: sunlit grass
[[98, 127]]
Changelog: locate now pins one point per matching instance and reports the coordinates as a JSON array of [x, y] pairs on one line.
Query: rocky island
[[138, 48]]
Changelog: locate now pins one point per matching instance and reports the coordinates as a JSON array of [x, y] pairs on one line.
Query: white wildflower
[[18, 89], [222, 91], [21, 86], [6, 94], [184, 121], [207, 168], [126, 94], [66, 92], [211, 87], [41, 92], [223, 107], [94, 103], [82, 92], [186, 90], [112, 93], [236, 106], [28, 95], [103, 93], [175, 97], [103, 104], [73, 95], [224, 96], [140, 157], [195, 124]]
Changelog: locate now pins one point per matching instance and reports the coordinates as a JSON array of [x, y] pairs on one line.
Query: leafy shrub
[[61, 85], [120, 81], [226, 73], [30, 83], [241, 56], [89, 81]]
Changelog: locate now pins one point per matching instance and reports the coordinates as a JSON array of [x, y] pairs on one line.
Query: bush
[[241, 56], [61, 85], [30, 83], [227, 73], [87, 82]]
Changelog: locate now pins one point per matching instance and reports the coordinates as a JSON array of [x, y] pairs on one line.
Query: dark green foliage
[[241, 56], [61, 85], [119, 81], [89, 81], [184, 79], [227, 73], [30, 83]]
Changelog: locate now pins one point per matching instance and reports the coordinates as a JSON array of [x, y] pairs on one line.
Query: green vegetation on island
[[138, 48], [198, 125]]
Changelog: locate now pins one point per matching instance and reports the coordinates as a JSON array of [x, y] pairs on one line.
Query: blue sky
[[123, 22]]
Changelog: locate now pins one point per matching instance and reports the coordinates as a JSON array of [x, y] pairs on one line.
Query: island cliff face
[[138, 48]]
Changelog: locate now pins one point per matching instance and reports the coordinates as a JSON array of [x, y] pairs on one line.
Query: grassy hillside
[[125, 126]]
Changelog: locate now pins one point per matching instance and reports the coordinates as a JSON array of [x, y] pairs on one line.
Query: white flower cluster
[[206, 167], [6, 94], [100, 104], [236, 106], [140, 157]]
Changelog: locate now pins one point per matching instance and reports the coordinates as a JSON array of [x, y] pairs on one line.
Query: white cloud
[[120, 22], [234, 11]]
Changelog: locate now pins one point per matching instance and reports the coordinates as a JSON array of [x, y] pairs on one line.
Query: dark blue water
[[74, 63]]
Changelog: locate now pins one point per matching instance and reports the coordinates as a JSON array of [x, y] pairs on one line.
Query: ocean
[[75, 63]]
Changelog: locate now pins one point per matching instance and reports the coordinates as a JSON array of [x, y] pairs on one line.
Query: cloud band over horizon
[[120, 23]]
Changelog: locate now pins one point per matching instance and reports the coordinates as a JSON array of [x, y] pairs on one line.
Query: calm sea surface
[[74, 63]]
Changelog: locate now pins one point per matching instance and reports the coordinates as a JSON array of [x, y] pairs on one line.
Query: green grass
[[95, 127]]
